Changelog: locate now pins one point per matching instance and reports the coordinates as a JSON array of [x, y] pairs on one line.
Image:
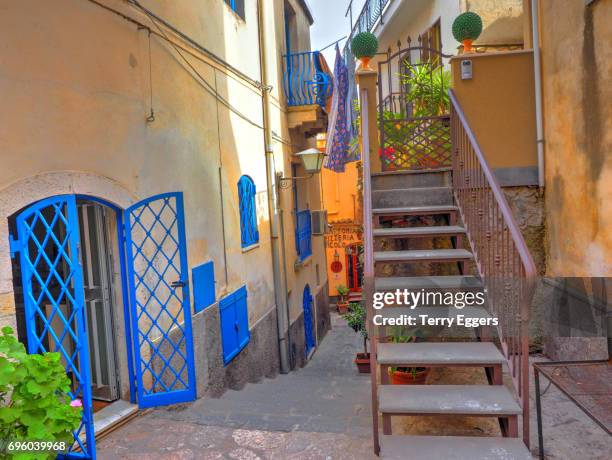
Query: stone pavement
[[321, 411]]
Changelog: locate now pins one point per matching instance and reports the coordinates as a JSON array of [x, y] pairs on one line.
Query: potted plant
[[467, 27], [406, 375], [364, 47], [356, 319], [342, 304]]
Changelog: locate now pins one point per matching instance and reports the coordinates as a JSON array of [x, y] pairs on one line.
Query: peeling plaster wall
[[577, 64]]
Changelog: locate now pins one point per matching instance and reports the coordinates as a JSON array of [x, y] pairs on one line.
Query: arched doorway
[[308, 320], [66, 249]]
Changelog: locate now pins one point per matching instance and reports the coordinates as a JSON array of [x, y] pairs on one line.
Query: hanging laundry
[[338, 135]]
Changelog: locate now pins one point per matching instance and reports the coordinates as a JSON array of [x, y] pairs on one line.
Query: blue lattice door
[[159, 300], [48, 246], [308, 329]]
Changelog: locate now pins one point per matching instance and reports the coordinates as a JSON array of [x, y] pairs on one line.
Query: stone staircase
[[419, 243]]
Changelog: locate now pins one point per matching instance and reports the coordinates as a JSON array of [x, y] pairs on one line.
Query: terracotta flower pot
[[342, 307], [410, 378], [467, 45], [365, 62], [362, 360]]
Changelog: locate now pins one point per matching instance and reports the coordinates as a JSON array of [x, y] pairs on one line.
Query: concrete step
[[468, 400], [419, 232], [419, 196], [414, 211], [452, 448], [428, 283], [439, 354], [424, 255], [408, 179]]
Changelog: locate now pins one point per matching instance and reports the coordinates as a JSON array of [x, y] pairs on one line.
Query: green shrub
[[356, 318], [35, 405], [364, 44], [467, 26]]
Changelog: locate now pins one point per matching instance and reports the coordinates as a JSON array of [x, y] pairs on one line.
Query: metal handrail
[[501, 254]]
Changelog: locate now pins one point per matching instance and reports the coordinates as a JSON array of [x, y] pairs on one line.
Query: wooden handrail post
[[367, 80]]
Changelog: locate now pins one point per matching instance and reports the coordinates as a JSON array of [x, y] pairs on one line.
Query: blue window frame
[[249, 234], [234, 314], [237, 6], [303, 234]]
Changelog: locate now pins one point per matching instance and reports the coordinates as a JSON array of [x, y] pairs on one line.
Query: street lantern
[[312, 160]]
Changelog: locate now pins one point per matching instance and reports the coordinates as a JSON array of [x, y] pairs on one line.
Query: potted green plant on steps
[[356, 319], [406, 375], [35, 402], [467, 27], [342, 304]]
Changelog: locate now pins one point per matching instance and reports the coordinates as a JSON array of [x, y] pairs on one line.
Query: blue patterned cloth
[[338, 132]]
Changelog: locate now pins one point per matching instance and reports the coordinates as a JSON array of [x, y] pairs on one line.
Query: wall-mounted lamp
[[312, 160]]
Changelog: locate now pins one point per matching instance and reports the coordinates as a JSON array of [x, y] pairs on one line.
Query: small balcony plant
[[406, 375], [356, 319], [342, 304]]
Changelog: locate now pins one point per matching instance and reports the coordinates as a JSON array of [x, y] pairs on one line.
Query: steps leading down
[[424, 194]]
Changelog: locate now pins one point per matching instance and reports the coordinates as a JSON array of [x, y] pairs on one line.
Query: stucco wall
[[577, 64], [77, 86], [500, 107]]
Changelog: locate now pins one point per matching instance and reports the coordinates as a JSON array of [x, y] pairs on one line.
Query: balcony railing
[[303, 234], [369, 15], [304, 81]]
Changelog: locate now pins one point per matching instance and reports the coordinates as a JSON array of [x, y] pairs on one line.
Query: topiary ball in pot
[[467, 27], [364, 47]]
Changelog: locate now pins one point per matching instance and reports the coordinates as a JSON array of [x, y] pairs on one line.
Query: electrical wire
[[178, 49]]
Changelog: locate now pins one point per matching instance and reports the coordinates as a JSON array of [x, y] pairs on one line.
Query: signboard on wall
[[343, 235]]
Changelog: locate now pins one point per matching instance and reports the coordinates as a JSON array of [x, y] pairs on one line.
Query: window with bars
[[248, 216], [237, 6]]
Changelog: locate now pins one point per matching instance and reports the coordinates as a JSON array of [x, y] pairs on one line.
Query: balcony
[[307, 86]]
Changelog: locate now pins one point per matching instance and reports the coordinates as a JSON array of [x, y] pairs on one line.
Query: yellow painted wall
[[75, 84], [577, 65], [499, 105]]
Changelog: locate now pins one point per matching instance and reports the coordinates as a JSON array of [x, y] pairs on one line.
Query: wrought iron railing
[[413, 115], [303, 234], [502, 258], [305, 82], [367, 19]]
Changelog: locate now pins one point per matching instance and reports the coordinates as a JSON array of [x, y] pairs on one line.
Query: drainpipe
[[277, 238], [537, 71]]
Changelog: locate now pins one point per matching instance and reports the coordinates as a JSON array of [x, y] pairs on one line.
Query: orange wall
[[499, 104], [340, 198]]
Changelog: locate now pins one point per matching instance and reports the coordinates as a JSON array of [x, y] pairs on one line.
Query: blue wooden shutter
[[242, 317], [229, 337], [249, 234], [234, 314], [203, 279]]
